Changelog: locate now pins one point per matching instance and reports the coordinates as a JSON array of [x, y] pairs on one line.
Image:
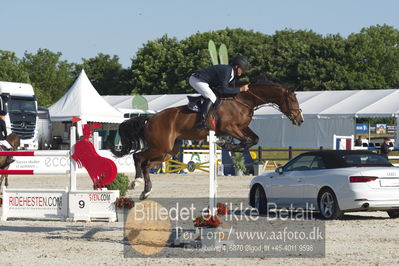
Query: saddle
[[195, 103]]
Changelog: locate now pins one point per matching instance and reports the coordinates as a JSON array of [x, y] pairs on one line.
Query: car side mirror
[[279, 170], [5, 96]]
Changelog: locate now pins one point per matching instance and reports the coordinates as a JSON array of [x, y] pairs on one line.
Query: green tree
[[164, 65], [372, 58], [155, 67], [107, 75], [50, 76], [323, 69], [302, 58], [10, 68]]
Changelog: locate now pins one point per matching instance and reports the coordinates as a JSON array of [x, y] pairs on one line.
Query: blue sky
[[83, 28]]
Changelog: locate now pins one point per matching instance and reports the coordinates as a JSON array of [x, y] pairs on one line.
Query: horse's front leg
[[251, 138], [246, 137]]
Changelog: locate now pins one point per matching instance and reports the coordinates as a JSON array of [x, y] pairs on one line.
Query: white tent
[[124, 104], [326, 113], [155, 102], [83, 101]]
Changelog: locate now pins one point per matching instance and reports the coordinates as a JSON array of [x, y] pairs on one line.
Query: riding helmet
[[240, 61]]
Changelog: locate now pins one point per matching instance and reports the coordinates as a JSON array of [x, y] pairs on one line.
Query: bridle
[[290, 107]]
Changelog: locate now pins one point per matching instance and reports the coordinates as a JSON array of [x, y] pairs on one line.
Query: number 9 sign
[[81, 204]]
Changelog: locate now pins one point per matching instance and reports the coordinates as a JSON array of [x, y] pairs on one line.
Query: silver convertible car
[[332, 182]]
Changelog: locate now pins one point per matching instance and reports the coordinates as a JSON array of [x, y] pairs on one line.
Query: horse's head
[[281, 97], [290, 107], [14, 141]]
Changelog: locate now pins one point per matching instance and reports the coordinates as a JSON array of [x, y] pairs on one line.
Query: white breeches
[[5, 143], [202, 88]]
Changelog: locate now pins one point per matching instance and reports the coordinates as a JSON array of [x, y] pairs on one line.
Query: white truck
[[19, 101]]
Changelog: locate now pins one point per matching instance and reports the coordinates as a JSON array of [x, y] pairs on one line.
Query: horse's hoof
[[220, 142], [136, 182], [144, 195]]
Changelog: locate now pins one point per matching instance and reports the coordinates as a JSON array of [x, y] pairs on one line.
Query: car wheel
[[259, 199], [328, 205], [393, 213]]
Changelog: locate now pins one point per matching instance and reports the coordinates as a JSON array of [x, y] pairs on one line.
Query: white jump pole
[[72, 174], [212, 173]]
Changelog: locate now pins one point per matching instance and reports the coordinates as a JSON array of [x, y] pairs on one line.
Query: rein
[[275, 106], [267, 102], [263, 102]]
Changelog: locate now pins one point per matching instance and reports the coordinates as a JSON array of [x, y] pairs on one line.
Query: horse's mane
[[267, 79]]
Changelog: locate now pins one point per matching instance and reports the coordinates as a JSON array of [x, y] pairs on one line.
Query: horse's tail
[[130, 131]]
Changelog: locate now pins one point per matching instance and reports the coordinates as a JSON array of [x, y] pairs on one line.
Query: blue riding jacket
[[218, 77]]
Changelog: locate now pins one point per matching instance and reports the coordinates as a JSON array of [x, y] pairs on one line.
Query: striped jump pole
[[69, 204], [34, 172], [66, 153], [35, 153]]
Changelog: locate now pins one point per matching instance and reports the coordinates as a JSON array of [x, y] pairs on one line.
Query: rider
[[217, 79]]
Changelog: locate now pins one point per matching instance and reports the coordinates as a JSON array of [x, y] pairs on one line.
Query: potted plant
[[222, 208], [207, 220], [208, 229], [239, 163], [123, 204]]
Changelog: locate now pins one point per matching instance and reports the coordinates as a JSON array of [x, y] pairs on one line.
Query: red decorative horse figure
[[101, 170]]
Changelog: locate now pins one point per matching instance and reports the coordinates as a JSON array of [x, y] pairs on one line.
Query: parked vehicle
[[44, 129], [20, 103], [332, 181]]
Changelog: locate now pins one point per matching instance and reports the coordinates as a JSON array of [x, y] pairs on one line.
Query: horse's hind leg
[[138, 179], [149, 159], [147, 183], [137, 166]]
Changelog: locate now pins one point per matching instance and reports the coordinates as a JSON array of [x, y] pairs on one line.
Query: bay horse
[[161, 132], [14, 141]]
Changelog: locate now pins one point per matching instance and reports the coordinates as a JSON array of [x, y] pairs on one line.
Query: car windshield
[[365, 160]]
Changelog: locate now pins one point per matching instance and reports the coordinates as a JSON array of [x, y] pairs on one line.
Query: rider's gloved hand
[[244, 88]]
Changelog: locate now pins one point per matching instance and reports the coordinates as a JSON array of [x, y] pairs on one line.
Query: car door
[[287, 188], [311, 182]]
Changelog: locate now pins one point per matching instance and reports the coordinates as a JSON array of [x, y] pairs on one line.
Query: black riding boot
[[206, 106]]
